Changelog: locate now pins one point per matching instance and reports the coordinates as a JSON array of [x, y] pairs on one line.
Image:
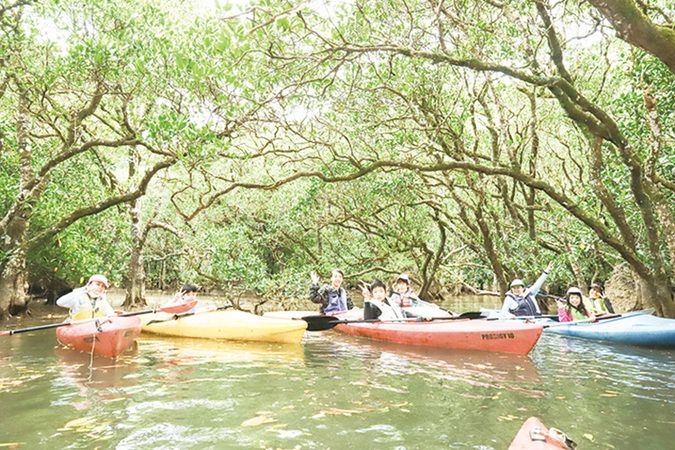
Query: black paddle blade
[[471, 315], [320, 323]]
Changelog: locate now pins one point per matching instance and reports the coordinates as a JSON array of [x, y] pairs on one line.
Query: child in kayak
[[376, 305], [573, 307], [597, 303], [186, 295], [402, 294]]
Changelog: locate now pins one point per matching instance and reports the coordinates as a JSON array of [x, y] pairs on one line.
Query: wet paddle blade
[[320, 323]]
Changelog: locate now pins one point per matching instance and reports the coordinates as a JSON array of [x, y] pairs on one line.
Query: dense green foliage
[[466, 143]]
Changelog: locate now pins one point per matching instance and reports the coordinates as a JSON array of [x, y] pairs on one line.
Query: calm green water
[[332, 391]]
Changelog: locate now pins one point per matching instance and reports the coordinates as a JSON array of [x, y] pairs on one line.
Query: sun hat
[[517, 282], [99, 278]]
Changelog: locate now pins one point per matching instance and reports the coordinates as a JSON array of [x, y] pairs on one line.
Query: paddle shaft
[[609, 316], [180, 316], [173, 308]]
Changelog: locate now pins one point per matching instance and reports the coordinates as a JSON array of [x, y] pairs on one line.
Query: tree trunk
[[656, 293], [136, 277], [13, 276], [13, 285]]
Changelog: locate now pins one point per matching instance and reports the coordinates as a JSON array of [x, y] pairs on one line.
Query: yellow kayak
[[229, 324]]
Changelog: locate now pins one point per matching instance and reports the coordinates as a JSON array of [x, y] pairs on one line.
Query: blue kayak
[[635, 328]]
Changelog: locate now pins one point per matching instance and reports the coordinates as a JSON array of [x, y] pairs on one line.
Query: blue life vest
[[526, 305]]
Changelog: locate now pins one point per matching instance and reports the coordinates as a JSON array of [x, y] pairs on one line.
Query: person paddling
[[332, 297], [520, 301], [88, 301]]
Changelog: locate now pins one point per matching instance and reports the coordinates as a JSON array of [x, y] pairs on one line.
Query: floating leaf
[[341, 412], [508, 418], [589, 436], [258, 420], [81, 424]]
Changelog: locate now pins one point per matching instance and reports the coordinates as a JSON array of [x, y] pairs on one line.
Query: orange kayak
[[105, 336], [533, 435], [502, 336]]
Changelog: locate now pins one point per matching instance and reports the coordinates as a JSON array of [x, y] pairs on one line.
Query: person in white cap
[[402, 293], [88, 301], [522, 302]]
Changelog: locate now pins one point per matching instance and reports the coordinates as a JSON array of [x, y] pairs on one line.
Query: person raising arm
[[332, 297], [88, 301]]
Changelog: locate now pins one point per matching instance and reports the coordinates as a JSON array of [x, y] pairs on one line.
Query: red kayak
[[105, 336], [503, 336], [533, 435]]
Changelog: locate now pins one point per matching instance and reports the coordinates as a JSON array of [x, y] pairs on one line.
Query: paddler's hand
[[365, 291]]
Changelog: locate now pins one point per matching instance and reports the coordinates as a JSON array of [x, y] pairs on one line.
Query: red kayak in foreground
[[105, 336], [502, 336], [533, 435]]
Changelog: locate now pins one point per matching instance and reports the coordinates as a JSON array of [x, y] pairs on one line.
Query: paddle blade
[[471, 315], [320, 323]]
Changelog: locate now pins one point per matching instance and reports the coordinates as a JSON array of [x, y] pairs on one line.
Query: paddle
[[173, 309], [180, 316], [321, 323], [574, 322]]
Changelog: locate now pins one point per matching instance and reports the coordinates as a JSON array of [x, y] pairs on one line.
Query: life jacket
[[526, 305], [336, 301], [405, 300], [87, 310], [371, 311]]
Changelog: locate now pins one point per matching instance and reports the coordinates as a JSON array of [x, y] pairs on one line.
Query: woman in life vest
[[332, 297], [88, 301], [520, 301]]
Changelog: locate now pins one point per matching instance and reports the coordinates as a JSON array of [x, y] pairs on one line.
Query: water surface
[[330, 392]]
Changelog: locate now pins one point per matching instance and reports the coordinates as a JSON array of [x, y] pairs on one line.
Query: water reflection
[[390, 359], [333, 391], [83, 369]]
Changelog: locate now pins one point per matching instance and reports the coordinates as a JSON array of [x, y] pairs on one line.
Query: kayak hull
[[491, 336], [107, 336], [533, 435], [229, 324], [639, 329]]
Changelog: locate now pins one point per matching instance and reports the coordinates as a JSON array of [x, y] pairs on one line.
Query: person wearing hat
[[573, 307], [402, 294], [332, 297], [88, 301], [520, 301]]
